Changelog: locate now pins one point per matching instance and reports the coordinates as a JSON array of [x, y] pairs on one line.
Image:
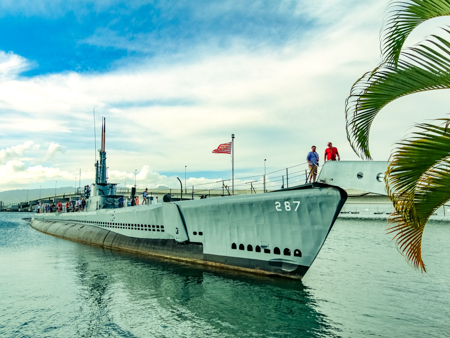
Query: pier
[[156, 194]]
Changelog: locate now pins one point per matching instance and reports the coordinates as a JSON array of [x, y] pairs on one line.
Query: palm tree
[[418, 179]]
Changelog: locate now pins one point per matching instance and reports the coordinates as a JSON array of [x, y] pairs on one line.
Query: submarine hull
[[278, 233]]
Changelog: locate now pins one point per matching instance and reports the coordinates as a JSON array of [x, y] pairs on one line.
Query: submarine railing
[[264, 182]]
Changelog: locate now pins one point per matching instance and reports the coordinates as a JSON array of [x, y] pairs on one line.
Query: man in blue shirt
[[144, 194], [313, 161]]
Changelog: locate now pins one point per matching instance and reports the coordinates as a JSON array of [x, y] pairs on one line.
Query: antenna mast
[[95, 139]]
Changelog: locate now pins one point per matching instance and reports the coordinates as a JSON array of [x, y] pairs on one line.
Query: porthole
[[157, 226], [241, 247], [200, 233], [162, 226], [257, 248], [266, 250], [287, 252], [249, 248], [297, 253], [233, 246], [276, 251], [195, 233]]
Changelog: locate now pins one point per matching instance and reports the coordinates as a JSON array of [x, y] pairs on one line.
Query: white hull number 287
[[287, 206]]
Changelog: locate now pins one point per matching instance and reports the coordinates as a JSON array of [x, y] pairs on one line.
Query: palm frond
[[417, 182], [424, 67], [402, 18]]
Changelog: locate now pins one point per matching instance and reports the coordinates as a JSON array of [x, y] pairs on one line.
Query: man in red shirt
[[331, 153]]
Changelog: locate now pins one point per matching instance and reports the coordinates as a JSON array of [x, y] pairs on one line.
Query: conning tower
[[104, 195]]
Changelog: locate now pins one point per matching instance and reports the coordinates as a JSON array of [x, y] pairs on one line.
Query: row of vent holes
[[124, 225], [276, 251], [200, 233]]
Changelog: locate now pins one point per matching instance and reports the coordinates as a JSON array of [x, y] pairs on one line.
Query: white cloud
[[11, 65], [53, 148], [167, 112], [16, 151]]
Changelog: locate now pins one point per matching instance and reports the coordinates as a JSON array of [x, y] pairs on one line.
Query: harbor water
[[358, 286]]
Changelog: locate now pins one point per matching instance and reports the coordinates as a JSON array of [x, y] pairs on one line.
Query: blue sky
[[88, 38], [174, 79]]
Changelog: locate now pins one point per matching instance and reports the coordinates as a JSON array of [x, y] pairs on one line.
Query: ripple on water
[[358, 286]]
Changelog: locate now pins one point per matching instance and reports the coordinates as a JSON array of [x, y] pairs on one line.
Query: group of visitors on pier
[[70, 206], [331, 154]]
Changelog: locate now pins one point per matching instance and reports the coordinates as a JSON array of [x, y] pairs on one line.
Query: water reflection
[[162, 297], [359, 286]]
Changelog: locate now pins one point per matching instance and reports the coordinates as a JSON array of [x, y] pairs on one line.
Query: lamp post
[[27, 196], [56, 182], [185, 186], [76, 177], [264, 175], [40, 192], [135, 172]]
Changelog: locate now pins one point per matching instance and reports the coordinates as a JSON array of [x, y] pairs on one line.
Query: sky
[[175, 79]]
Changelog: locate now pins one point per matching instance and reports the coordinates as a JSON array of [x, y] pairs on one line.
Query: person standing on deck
[[331, 153], [144, 196], [313, 161]]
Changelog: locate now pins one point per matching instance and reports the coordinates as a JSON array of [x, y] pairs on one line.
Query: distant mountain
[[162, 187], [20, 195]]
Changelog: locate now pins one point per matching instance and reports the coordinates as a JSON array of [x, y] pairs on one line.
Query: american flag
[[224, 148]]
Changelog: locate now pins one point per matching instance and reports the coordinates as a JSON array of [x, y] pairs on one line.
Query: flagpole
[[232, 163]]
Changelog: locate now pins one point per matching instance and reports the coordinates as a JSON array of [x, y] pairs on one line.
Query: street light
[[135, 172], [56, 182], [27, 196], [39, 192], [185, 186], [264, 175]]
